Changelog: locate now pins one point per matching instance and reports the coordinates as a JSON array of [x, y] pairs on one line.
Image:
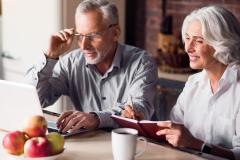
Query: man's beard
[[98, 59]]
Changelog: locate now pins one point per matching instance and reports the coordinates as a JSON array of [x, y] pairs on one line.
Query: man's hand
[[128, 112], [74, 120], [59, 43], [176, 134]]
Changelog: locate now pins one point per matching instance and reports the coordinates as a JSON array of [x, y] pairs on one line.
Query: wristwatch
[[206, 148]]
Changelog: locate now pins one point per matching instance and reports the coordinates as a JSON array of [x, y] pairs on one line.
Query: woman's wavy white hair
[[220, 29], [109, 10]]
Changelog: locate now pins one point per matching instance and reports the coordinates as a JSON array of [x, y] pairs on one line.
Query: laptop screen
[[18, 101]]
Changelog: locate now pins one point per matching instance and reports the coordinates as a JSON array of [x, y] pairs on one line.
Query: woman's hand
[[176, 134]]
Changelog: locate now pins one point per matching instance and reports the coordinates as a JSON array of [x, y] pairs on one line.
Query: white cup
[[124, 142]]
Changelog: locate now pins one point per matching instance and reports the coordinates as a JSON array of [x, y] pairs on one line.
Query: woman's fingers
[[165, 124]]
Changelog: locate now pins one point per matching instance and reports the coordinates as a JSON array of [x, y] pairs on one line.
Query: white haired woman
[[206, 116]]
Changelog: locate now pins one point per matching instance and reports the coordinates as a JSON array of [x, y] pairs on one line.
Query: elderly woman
[[206, 116]]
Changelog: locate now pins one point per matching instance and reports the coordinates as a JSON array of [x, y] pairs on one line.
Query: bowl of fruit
[[33, 142]]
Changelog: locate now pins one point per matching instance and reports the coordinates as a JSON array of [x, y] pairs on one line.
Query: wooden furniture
[[173, 76], [96, 145], [168, 92]]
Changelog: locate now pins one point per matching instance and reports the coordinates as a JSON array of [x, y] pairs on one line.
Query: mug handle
[[139, 152]]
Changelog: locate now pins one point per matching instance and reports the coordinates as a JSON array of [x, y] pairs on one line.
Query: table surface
[[96, 145]]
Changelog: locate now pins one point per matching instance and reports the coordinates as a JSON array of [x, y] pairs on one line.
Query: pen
[[132, 107]]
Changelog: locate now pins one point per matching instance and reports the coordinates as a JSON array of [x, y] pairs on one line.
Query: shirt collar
[[117, 58], [201, 77], [229, 75]]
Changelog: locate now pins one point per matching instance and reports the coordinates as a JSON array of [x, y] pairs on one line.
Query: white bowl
[[53, 157], [23, 157]]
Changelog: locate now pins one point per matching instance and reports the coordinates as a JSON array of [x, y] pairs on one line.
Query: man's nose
[[84, 43]]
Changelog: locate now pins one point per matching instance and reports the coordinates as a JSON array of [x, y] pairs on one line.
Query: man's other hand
[[75, 120]]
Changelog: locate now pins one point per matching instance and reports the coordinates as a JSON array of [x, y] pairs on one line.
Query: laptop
[[19, 101]]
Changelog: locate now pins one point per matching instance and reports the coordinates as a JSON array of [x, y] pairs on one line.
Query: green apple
[[56, 142]]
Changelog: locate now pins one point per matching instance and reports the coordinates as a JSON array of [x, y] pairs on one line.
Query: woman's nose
[[189, 46]]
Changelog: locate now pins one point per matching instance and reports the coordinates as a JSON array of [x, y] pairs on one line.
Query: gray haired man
[[100, 76]]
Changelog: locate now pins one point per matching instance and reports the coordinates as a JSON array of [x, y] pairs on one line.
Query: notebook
[[145, 128], [19, 101]]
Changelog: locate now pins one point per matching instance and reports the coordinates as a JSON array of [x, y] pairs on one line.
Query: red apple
[[37, 147], [35, 126], [13, 142], [56, 142]]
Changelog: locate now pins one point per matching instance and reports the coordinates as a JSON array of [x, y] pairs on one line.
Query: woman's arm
[[179, 136]]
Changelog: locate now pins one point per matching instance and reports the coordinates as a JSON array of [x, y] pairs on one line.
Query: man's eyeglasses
[[94, 36]]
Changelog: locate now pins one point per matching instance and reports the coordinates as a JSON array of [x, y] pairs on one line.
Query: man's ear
[[117, 32]]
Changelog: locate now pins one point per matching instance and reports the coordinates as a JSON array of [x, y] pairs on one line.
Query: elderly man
[[101, 76]]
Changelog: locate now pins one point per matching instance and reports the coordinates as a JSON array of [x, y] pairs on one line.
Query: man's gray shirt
[[132, 73]]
